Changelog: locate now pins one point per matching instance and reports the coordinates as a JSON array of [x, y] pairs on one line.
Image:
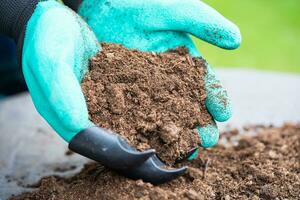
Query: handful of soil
[[152, 100]]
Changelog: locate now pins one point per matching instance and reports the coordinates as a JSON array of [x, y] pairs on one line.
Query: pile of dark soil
[[264, 167], [152, 100]]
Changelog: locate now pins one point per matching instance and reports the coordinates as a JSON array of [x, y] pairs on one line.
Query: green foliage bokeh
[[270, 31]]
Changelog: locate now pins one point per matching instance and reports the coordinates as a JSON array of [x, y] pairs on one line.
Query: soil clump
[[153, 100]]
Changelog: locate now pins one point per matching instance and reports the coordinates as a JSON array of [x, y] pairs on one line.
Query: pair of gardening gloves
[[58, 44]]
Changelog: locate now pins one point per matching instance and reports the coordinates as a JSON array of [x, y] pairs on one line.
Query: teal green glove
[[56, 50], [160, 25]]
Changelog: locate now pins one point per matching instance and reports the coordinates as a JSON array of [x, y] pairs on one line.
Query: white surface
[[261, 97], [29, 149]]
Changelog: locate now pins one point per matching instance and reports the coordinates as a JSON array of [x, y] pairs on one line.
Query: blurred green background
[[270, 35]]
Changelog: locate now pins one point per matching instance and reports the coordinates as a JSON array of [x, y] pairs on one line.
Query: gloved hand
[[160, 25], [56, 50]]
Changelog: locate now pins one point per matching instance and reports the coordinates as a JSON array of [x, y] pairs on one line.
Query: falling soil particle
[[263, 167], [69, 152], [153, 100], [64, 168]]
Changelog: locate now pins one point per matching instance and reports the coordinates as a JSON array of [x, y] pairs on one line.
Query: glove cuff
[[73, 4]]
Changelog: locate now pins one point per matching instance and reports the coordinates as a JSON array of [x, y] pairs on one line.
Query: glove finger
[[194, 155], [209, 135], [63, 106], [217, 101], [202, 21]]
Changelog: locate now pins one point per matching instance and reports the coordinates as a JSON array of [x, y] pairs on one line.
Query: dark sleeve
[[73, 4], [14, 15]]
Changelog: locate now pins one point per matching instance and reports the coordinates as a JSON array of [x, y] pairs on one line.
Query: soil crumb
[[69, 152], [152, 100], [263, 167]]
